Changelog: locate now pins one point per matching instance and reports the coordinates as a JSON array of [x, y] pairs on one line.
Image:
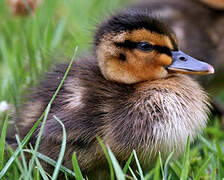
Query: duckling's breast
[[159, 116]]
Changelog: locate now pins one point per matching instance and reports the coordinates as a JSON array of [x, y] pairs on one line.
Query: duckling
[[133, 93]]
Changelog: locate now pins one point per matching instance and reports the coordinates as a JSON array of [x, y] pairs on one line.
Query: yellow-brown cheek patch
[[164, 59], [152, 37], [120, 71], [142, 57]]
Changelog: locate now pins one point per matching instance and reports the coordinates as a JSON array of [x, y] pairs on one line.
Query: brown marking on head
[[152, 37], [132, 65]]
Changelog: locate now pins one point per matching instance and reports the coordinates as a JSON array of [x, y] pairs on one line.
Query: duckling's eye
[[144, 46]]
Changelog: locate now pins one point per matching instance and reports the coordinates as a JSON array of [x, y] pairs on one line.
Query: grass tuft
[[2, 142], [76, 167], [62, 151], [117, 168]]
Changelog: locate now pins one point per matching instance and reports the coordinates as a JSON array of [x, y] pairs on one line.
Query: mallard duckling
[[132, 93]]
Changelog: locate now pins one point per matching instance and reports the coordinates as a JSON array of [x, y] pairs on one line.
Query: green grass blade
[[118, 171], [161, 164], [219, 177], [127, 164], [31, 164], [207, 144], [22, 156], [213, 174], [2, 142], [157, 171], [36, 173], [149, 175], [202, 168], [186, 161], [58, 34], [65, 75], [62, 151], [219, 151], [17, 162], [107, 157], [176, 169], [76, 167], [139, 166], [167, 165], [51, 162], [41, 170], [39, 167], [132, 173]]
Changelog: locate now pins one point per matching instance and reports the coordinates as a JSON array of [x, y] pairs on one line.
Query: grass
[[29, 46]]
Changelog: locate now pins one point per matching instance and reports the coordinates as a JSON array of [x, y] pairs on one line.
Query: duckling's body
[[149, 117], [129, 93]]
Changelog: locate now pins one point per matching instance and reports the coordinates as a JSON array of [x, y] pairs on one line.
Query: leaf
[[58, 34], [108, 158], [132, 173], [2, 142], [157, 171], [219, 151], [76, 167], [176, 169], [161, 164], [207, 144], [125, 169], [167, 164], [22, 157], [139, 166], [51, 162], [118, 171], [202, 168], [186, 162], [62, 151]]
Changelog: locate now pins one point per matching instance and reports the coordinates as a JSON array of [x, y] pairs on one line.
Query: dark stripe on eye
[[132, 45], [127, 44], [162, 50]]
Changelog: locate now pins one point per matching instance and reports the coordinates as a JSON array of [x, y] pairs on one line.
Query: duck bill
[[182, 63]]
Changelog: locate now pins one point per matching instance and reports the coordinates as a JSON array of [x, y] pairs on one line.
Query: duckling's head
[[133, 46]]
